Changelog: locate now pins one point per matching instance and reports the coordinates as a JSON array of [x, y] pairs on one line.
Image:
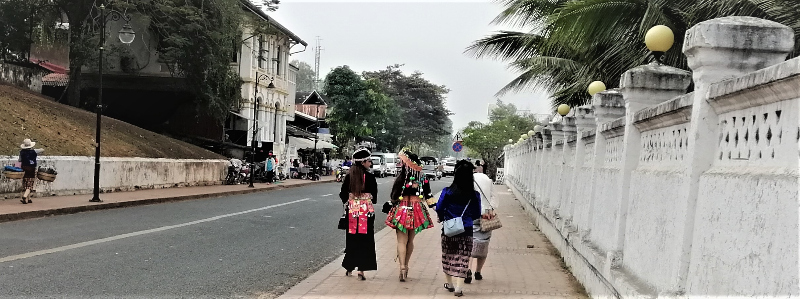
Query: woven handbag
[[492, 222]]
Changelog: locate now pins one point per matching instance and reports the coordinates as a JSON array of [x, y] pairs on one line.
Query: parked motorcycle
[[237, 172]]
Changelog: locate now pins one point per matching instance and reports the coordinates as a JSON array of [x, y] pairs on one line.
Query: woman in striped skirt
[[458, 200]]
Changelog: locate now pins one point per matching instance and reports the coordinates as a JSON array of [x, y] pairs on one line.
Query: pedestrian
[[480, 240], [359, 193], [28, 158], [270, 165], [458, 200], [478, 167], [409, 215]]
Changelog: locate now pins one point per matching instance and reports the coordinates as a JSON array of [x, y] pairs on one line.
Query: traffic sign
[[457, 147]]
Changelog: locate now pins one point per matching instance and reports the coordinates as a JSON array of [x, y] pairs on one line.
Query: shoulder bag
[[343, 221], [455, 225], [489, 221]]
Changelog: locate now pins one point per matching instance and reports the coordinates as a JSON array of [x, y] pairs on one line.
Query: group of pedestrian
[[408, 215]]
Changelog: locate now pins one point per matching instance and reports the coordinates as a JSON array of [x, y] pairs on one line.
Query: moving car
[[431, 168], [449, 168], [378, 166], [390, 162]]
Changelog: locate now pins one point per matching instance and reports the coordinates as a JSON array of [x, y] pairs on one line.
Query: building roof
[[251, 7], [309, 98], [55, 79], [53, 68]]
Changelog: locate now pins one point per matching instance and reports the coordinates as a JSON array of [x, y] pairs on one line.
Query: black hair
[[463, 182]]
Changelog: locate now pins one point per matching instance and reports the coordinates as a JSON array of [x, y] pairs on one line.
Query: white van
[[391, 160], [378, 166]]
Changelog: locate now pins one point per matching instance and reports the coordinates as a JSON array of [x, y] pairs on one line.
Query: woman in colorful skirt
[[359, 193], [409, 214], [458, 200], [28, 158]]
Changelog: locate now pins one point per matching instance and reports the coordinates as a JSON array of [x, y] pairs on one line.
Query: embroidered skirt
[[455, 255], [409, 215], [29, 178]]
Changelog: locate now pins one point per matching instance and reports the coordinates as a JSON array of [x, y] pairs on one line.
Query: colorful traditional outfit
[[456, 250], [409, 210], [359, 249]]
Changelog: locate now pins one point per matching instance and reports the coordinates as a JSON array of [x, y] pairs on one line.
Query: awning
[[302, 143]]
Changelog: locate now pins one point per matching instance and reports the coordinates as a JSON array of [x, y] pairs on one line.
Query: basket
[[13, 175], [46, 176]]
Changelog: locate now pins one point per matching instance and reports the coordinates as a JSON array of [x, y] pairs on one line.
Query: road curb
[[114, 205]]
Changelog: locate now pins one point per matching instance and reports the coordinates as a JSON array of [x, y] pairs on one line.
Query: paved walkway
[[512, 270], [13, 209]]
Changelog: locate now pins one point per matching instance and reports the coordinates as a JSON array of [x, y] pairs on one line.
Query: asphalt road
[[238, 246]]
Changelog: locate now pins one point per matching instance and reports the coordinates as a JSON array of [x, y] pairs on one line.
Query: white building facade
[[264, 59]]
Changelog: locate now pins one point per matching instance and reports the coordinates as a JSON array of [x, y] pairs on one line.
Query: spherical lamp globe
[[523, 136], [537, 128], [659, 38], [563, 109], [595, 87], [510, 141]]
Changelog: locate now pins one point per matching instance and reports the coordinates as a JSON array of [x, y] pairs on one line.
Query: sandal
[[361, 276], [23, 201], [478, 276], [449, 287], [459, 294], [348, 273], [469, 277], [403, 275]]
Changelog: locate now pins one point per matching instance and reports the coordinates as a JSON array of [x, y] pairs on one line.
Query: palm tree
[[573, 42]]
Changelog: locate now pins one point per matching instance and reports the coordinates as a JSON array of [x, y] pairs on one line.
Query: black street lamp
[[316, 139], [126, 36], [255, 124]]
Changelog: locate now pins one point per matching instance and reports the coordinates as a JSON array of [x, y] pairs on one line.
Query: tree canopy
[[305, 77], [486, 140], [563, 45], [399, 110]]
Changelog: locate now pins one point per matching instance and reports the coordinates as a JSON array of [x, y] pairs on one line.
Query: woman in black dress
[[359, 194]]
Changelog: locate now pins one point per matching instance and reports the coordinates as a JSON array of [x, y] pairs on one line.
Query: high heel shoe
[[361, 276], [403, 275]]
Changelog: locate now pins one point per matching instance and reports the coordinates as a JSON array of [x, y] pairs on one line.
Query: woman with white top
[[480, 240]]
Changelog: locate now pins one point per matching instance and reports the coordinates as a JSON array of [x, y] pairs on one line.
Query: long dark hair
[[397, 187], [357, 173], [463, 183]]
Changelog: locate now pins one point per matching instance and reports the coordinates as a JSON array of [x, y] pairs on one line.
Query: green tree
[[194, 37], [306, 78], [486, 141], [566, 44], [358, 108], [421, 104]]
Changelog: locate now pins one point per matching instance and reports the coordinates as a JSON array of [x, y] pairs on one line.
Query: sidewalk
[[13, 209], [512, 269]]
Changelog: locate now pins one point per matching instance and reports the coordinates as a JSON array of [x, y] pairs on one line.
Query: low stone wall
[[669, 194], [76, 174], [22, 76]]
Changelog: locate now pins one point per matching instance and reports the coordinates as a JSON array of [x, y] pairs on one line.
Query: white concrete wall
[[28, 78], [680, 195], [76, 174]]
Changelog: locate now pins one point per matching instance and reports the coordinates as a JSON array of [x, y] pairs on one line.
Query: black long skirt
[[359, 250]]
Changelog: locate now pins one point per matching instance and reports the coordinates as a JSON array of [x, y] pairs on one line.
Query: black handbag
[[343, 221], [387, 207]]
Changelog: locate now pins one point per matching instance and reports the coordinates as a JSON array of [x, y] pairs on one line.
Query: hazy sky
[[429, 37]]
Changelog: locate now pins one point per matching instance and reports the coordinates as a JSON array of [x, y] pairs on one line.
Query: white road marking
[[329, 194], [139, 233]]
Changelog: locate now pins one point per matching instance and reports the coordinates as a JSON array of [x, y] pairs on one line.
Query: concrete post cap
[[740, 33], [656, 76]]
